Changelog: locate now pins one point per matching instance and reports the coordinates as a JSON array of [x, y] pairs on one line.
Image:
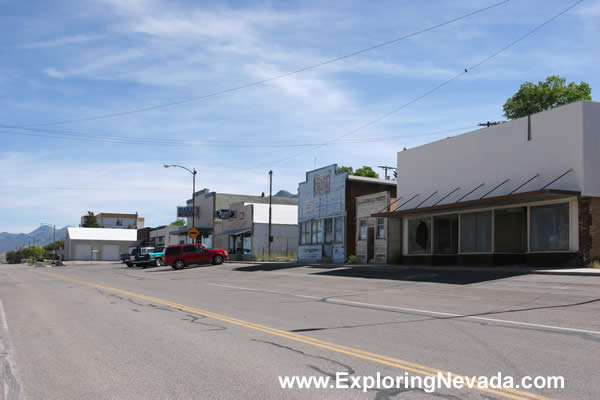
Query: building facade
[[245, 227], [327, 213], [378, 239], [210, 207], [97, 244], [161, 236], [118, 221], [523, 192]]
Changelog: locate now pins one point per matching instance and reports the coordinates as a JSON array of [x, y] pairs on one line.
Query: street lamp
[[193, 172], [54, 240]]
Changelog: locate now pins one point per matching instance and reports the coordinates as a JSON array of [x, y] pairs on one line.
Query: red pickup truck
[[181, 255]]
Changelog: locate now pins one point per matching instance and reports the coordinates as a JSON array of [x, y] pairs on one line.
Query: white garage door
[[110, 252], [83, 251]]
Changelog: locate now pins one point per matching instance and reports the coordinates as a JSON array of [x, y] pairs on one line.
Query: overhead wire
[[276, 77], [434, 89]]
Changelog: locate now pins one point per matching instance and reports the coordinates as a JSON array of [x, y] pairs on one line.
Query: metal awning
[[505, 200], [234, 232], [185, 230]]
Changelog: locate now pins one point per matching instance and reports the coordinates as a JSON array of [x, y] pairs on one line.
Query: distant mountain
[[41, 236], [285, 193]]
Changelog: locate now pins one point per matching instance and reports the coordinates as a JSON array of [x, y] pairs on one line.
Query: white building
[[525, 191], [118, 221], [245, 228], [91, 244]]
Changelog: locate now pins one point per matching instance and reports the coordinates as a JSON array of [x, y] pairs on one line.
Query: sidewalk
[[391, 267]]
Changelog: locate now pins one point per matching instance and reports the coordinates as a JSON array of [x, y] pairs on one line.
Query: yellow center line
[[357, 353]]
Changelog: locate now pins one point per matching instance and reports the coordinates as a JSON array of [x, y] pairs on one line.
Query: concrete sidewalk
[[391, 267]]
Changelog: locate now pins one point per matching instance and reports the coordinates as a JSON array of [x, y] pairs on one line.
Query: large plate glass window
[[419, 236], [510, 230], [317, 231], [550, 227], [476, 232], [445, 228]]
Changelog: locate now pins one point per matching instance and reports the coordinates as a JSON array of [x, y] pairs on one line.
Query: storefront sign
[[187, 211], [225, 214], [310, 253]]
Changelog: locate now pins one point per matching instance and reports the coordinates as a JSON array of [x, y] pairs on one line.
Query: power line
[[185, 144], [263, 81], [436, 88]]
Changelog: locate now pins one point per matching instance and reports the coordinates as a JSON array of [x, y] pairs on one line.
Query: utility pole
[[270, 210], [385, 168], [194, 202]]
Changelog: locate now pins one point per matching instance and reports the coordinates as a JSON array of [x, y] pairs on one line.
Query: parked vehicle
[[158, 256], [179, 256], [124, 257], [140, 257]]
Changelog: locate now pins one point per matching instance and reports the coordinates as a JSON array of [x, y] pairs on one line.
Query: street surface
[[105, 331]]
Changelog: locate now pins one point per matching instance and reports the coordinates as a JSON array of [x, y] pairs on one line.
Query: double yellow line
[[365, 355]]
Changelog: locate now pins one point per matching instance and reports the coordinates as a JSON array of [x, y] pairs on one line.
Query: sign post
[[193, 233]]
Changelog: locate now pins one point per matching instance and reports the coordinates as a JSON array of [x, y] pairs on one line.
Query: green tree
[[33, 253], [178, 222], [366, 171], [11, 257], [552, 92], [50, 247], [350, 170], [90, 221]]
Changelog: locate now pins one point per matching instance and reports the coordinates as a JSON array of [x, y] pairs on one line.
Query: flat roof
[[115, 215], [125, 235], [372, 180], [523, 197]]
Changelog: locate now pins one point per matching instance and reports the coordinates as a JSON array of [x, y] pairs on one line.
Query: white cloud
[[63, 41]]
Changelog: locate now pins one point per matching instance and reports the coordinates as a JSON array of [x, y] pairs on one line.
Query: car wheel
[[128, 264], [179, 264], [159, 262], [217, 260]]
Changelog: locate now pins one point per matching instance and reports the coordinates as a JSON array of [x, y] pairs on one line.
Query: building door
[[371, 244], [110, 252], [83, 252]]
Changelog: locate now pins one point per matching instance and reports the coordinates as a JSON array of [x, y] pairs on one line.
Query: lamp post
[[54, 237], [193, 172]]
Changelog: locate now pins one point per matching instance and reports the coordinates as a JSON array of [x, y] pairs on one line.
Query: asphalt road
[[105, 331]]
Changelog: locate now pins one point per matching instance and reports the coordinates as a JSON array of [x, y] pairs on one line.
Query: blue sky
[[65, 60]]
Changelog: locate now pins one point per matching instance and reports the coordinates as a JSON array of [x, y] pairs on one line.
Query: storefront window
[[317, 231], [550, 227], [339, 229], [419, 236], [329, 230], [380, 228], [476, 232], [510, 230], [362, 232], [445, 232]]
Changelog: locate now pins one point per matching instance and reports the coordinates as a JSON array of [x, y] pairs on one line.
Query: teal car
[[146, 256]]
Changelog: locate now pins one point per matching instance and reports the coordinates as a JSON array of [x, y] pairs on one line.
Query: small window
[[339, 229], [173, 250], [362, 233], [380, 228], [189, 248], [328, 230], [317, 231], [119, 222]]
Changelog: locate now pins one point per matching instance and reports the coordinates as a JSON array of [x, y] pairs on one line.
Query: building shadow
[[450, 277], [271, 266]]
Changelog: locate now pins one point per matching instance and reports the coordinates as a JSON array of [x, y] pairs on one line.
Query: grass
[[595, 263]]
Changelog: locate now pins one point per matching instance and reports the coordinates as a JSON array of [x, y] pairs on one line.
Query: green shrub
[[352, 259], [596, 263]]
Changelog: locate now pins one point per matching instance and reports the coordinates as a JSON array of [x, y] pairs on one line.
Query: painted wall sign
[[187, 211], [322, 184], [310, 253]]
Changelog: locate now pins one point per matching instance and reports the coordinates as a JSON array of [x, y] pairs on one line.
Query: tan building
[[118, 221], [378, 239]]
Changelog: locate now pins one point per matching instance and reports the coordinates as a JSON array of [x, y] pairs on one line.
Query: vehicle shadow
[[167, 268], [451, 277]]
